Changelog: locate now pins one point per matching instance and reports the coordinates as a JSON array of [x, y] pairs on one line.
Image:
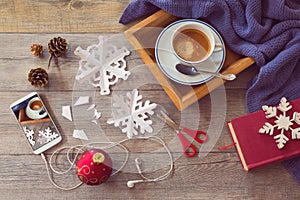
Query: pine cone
[[38, 77], [36, 49], [57, 47]]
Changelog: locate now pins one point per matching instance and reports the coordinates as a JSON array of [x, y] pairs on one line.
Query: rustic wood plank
[[15, 56], [219, 176], [74, 16]]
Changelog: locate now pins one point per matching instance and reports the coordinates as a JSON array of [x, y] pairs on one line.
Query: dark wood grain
[[23, 175]]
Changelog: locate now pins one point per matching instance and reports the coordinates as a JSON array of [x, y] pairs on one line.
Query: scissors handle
[[197, 135], [188, 148]]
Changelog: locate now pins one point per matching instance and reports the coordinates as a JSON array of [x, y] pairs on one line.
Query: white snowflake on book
[[46, 135], [283, 123], [132, 114]]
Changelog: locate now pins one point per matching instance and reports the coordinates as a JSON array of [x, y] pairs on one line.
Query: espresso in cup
[[35, 109], [191, 45], [36, 105]]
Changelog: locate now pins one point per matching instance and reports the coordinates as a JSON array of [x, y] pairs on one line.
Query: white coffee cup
[[193, 43], [35, 109]]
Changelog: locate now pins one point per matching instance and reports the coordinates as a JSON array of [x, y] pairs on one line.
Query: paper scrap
[[97, 114], [82, 100], [66, 112], [80, 134], [91, 107]]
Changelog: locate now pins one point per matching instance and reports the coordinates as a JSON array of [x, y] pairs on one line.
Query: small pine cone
[[36, 49], [38, 77], [57, 47]]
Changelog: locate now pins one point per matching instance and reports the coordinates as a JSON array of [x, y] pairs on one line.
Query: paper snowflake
[[103, 63], [29, 135], [132, 114], [47, 135], [283, 123]]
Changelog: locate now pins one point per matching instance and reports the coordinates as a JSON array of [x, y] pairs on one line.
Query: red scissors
[[188, 148]]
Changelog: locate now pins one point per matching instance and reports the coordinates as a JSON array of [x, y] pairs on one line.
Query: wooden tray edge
[[235, 68]]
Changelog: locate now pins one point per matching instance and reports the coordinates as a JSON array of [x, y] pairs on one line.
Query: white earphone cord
[[164, 176], [80, 149]]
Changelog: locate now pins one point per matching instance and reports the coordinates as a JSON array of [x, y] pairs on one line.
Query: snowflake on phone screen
[[29, 135], [283, 123], [47, 135], [132, 114]]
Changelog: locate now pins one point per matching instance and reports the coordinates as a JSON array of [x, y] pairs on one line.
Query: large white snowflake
[[283, 123], [103, 63], [47, 135], [132, 114]]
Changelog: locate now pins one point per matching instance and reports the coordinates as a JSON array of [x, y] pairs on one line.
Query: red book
[[267, 136]]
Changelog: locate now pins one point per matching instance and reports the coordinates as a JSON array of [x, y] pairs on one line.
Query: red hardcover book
[[267, 136]]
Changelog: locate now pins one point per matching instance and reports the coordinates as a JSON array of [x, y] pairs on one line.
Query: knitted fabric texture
[[268, 31]]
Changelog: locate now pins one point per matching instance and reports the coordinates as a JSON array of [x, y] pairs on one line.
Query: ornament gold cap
[[98, 158]]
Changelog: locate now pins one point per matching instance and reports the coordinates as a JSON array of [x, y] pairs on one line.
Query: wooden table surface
[[23, 176]]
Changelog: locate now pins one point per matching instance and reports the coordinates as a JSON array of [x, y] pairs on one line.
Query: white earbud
[[138, 162], [131, 184]]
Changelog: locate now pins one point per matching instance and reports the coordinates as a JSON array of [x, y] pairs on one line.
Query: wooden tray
[[23, 119], [182, 96]]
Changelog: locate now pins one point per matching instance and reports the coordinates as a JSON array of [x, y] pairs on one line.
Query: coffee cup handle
[[218, 47], [43, 114]]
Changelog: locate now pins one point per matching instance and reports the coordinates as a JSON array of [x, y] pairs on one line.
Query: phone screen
[[36, 122]]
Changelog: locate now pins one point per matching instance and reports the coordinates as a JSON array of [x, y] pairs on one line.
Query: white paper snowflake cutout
[[29, 135], [47, 135], [283, 123], [103, 63], [132, 114]]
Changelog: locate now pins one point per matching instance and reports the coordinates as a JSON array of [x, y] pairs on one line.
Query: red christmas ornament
[[94, 167]]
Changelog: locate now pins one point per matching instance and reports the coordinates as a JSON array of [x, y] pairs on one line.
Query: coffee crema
[[36, 105], [191, 45]]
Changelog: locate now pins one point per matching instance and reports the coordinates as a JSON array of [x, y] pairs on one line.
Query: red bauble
[[94, 167]]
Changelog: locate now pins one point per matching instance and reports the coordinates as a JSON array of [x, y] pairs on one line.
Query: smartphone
[[36, 123]]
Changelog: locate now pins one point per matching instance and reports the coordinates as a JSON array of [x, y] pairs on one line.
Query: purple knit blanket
[[268, 31]]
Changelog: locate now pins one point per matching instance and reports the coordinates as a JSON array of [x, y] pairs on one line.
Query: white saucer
[[167, 60]]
